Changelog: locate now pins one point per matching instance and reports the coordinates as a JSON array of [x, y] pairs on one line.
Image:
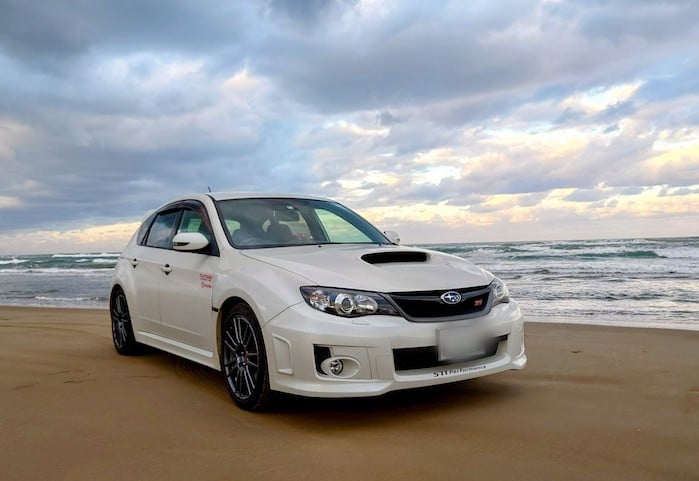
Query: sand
[[594, 403]]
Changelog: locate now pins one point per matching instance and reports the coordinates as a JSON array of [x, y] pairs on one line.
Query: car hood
[[381, 269]]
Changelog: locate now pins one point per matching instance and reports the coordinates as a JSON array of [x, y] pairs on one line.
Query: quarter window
[[160, 234]]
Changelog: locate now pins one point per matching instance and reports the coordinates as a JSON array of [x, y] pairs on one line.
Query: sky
[[446, 121]]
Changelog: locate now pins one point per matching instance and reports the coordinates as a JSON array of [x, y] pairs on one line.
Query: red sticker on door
[[207, 281]]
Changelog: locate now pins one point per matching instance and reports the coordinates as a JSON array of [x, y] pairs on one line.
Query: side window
[[161, 232], [192, 222]]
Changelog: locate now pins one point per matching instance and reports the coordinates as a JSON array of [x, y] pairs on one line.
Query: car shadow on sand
[[463, 395], [458, 395]]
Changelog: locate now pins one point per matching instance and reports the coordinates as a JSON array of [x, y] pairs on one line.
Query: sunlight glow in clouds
[[104, 238], [598, 99]]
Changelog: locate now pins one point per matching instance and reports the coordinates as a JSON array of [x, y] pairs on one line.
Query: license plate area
[[461, 343]]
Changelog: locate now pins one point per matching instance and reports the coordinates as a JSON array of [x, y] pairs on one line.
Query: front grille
[[426, 357], [429, 305]]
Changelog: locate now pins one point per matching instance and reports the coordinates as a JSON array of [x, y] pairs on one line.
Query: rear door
[[149, 260]]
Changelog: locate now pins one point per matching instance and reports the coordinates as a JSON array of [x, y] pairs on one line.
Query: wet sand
[[594, 403]]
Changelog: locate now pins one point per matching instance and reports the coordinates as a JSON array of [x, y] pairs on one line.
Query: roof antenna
[[208, 188]]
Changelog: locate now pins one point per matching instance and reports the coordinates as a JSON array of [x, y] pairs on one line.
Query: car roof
[[217, 196], [258, 195]]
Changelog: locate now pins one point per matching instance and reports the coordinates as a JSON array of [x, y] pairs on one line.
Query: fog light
[[336, 366], [342, 367]]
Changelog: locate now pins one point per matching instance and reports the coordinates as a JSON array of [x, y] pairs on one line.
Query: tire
[[122, 329], [244, 359]]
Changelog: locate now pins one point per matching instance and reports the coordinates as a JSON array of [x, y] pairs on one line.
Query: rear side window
[[162, 230]]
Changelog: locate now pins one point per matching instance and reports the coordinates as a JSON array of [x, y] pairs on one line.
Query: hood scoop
[[390, 257]]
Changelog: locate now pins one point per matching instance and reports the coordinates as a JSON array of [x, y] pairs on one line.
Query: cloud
[[619, 21], [309, 13], [386, 119], [587, 195], [521, 112], [54, 35]]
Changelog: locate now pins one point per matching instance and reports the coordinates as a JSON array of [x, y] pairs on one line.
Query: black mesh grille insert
[[429, 304], [426, 357], [320, 353]]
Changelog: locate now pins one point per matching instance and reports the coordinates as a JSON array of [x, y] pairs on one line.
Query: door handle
[[166, 269], [134, 263]]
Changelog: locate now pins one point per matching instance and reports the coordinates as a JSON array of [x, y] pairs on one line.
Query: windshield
[[290, 222]]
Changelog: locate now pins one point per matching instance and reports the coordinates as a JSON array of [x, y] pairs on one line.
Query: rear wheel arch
[[122, 327]]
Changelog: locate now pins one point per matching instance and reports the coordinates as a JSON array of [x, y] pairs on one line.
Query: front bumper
[[300, 338]]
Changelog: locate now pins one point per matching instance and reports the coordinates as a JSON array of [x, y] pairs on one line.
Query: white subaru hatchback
[[302, 295]]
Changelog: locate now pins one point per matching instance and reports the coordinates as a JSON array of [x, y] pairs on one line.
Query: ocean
[[633, 283]]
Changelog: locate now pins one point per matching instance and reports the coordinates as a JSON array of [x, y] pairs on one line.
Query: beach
[[593, 403]]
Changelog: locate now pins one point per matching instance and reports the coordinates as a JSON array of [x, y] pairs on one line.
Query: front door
[[186, 291]]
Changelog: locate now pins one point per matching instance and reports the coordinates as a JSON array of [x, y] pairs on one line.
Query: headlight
[[500, 292], [347, 303]]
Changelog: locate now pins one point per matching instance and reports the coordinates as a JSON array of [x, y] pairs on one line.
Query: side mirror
[[189, 241], [392, 236]]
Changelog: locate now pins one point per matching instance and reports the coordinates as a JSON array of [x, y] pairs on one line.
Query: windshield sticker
[[207, 281]]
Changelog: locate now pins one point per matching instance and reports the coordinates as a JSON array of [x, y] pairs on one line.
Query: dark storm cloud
[[386, 119], [405, 67], [308, 13], [619, 20], [429, 53], [48, 34]]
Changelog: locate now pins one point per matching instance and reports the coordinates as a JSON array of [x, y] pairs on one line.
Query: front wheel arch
[[243, 356]]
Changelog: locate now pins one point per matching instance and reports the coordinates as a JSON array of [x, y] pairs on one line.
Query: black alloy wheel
[[122, 329], [243, 359]]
